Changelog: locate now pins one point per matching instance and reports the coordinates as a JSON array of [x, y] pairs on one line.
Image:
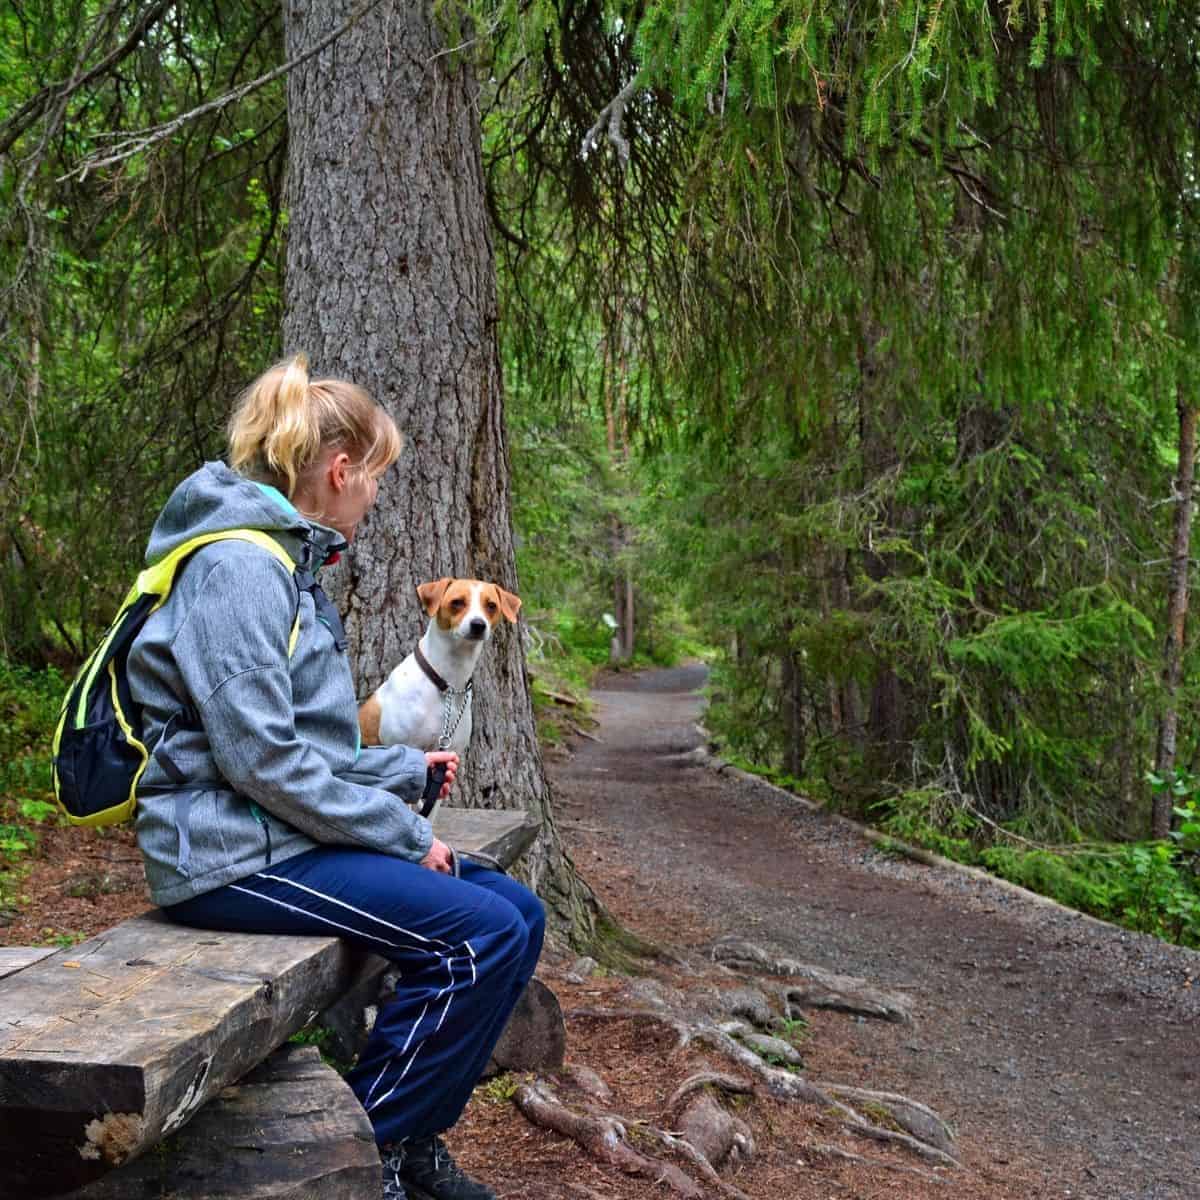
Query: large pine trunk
[[391, 283]]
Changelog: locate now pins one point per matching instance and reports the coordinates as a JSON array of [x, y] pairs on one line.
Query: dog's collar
[[430, 674]]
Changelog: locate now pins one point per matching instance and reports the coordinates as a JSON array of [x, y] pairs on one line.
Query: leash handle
[[456, 857], [435, 777]]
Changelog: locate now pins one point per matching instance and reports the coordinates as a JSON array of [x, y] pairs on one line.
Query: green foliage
[[64, 940], [320, 1036], [855, 338], [138, 298], [928, 817], [1184, 788], [795, 1030], [1147, 886], [500, 1089], [29, 703]]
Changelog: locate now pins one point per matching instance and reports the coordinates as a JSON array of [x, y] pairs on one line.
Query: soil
[[1061, 1050]]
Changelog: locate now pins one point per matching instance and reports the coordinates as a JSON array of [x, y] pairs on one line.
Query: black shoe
[[392, 1158], [426, 1170]]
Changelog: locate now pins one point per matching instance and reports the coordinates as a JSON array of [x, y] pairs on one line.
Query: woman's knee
[[528, 905], [507, 931]]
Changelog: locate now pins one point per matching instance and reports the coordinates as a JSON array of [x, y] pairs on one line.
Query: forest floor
[[1062, 1051]]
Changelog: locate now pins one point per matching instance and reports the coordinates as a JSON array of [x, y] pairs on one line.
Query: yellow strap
[[157, 581]]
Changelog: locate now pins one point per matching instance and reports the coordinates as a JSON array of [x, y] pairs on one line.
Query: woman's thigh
[[385, 904], [500, 884]]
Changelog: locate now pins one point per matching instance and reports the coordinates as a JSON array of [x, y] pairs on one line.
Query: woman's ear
[[337, 470]]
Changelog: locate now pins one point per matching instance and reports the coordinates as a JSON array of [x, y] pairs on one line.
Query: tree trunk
[[886, 718], [792, 701], [617, 428], [391, 283], [1177, 606]]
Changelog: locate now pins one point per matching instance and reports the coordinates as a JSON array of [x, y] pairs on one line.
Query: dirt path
[[1044, 1033]]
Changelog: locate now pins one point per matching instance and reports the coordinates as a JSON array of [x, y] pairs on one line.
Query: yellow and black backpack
[[99, 754]]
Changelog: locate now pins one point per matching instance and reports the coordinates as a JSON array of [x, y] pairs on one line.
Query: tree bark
[[391, 282], [1177, 607], [886, 716], [795, 748]]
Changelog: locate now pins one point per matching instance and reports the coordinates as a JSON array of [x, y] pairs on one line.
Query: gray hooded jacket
[[272, 766]]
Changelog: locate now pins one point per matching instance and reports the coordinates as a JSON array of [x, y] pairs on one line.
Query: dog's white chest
[[414, 712]]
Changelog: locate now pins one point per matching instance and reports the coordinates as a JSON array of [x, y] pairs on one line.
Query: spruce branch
[[613, 112], [33, 108], [139, 141]]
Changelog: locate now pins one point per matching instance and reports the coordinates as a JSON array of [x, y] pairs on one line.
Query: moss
[[620, 949]]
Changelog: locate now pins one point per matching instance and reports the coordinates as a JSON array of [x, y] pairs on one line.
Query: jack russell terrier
[[426, 700]]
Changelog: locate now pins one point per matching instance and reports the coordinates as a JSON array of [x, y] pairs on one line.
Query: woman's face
[[353, 501], [343, 494]]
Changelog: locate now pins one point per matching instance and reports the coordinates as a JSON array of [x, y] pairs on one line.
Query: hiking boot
[[426, 1170], [392, 1158]]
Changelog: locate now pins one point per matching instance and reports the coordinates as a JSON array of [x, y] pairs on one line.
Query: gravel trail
[[1073, 1042]]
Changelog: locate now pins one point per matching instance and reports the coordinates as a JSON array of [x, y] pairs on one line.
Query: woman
[[260, 811]]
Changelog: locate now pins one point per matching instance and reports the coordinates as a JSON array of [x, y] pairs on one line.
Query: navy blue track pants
[[464, 948]]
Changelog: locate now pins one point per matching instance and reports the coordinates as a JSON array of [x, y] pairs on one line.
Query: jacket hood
[[216, 498]]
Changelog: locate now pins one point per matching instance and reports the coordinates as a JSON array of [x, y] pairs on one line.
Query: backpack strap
[[327, 614], [158, 579]]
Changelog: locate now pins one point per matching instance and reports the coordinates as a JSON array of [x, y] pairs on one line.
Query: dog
[[426, 701]]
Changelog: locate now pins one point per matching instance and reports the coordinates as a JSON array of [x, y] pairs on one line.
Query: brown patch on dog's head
[[449, 600], [508, 603], [430, 594]]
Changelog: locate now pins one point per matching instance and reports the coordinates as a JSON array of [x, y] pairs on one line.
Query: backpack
[[99, 752]]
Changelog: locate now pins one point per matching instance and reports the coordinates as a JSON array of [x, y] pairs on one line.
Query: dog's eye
[[491, 606], [457, 603]]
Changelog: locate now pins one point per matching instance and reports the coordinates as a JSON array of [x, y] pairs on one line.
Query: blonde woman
[[260, 811]]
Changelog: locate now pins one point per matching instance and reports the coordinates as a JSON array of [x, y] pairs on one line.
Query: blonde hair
[[283, 421]]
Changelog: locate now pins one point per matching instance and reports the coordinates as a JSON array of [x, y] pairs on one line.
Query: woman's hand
[[450, 758], [438, 858]]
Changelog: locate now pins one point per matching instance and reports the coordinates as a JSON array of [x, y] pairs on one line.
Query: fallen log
[[290, 1130]]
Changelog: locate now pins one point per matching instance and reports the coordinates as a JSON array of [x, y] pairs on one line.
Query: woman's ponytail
[[283, 421]]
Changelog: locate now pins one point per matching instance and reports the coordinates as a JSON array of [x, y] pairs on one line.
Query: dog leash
[[437, 772], [456, 857]]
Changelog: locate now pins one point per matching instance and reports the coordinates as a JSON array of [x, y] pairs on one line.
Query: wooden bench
[[108, 1047]]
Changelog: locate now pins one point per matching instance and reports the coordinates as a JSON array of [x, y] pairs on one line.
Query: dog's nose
[[478, 627]]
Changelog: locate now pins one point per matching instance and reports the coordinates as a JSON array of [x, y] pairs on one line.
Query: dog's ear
[[510, 603], [430, 594]]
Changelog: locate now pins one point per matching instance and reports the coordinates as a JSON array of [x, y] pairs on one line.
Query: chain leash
[[449, 727]]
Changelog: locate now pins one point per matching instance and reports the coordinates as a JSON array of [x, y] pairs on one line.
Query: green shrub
[[29, 704]]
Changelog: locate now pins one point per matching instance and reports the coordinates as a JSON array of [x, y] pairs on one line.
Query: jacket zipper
[[261, 818]]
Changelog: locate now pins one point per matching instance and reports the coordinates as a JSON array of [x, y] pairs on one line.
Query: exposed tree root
[[816, 987], [917, 1118], [730, 1084], [835, 1152], [682, 1030], [603, 1136], [704, 1134], [681, 1146], [787, 1085]]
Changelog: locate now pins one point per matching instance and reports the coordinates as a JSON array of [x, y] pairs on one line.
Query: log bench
[[108, 1047]]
